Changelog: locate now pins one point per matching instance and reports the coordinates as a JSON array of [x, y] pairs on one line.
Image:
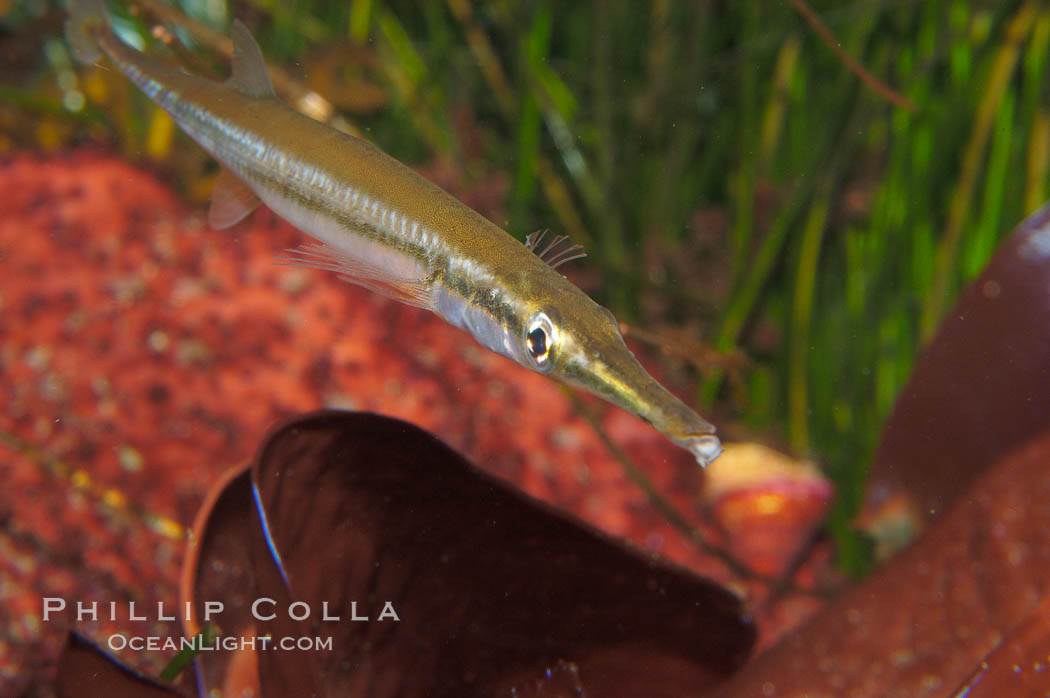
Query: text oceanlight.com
[[141, 643]]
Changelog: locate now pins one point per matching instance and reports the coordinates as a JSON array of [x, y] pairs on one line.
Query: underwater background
[[779, 201]]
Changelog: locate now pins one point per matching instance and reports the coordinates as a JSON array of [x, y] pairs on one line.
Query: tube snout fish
[[379, 224]]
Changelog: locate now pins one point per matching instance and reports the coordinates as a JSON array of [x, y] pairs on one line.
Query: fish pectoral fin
[[411, 291], [231, 201], [249, 69]]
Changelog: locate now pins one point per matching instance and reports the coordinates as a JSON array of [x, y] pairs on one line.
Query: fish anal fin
[[411, 291], [231, 201], [249, 69]]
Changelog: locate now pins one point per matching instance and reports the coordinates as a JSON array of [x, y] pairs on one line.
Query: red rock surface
[[142, 354]]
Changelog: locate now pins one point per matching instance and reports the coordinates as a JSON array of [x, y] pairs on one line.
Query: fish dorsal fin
[[249, 68], [231, 201], [361, 272], [557, 251]]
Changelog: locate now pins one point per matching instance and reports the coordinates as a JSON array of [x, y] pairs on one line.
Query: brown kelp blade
[[922, 624], [229, 561], [492, 590], [85, 671], [1019, 666], [982, 386]]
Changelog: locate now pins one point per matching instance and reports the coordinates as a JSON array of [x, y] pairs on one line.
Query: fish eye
[[539, 340]]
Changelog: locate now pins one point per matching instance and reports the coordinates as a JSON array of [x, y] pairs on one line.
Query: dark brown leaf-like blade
[[492, 588], [230, 562], [920, 625], [982, 386], [85, 671]]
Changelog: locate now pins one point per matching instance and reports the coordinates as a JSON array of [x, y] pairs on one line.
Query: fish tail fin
[[85, 18]]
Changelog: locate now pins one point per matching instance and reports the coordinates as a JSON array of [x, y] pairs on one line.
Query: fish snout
[[704, 447]]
